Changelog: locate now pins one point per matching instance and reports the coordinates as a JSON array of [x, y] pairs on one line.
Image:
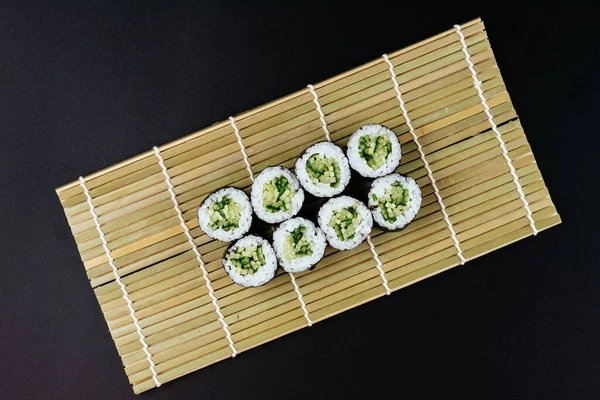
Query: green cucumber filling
[[296, 244], [345, 222], [224, 214], [323, 170], [278, 194], [394, 202], [375, 149], [247, 260]]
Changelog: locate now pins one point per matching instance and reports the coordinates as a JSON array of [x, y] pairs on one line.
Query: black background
[[85, 85]]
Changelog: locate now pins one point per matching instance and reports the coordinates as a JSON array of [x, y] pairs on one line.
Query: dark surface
[[85, 86]]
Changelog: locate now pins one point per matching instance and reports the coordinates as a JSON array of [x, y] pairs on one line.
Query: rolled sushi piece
[[345, 221], [374, 151], [299, 244], [323, 170], [276, 195], [394, 201], [226, 214], [250, 261]]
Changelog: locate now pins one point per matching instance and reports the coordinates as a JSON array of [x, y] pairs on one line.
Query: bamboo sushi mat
[[169, 305]]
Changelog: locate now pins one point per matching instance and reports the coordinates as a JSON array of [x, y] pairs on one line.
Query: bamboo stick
[[110, 174], [275, 114], [412, 276], [465, 128], [243, 298], [163, 357], [195, 284], [184, 369], [507, 239], [161, 318], [344, 300], [154, 313], [200, 314], [203, 355], [100, 276], [147, 182], [495, 228], [146, 277], [188, 272], [149, 228], [220, 133], [257, 335], [268, 315]]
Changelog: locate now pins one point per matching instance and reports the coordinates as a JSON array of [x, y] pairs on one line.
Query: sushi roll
[[394, 201], [299, 244], [374, 151], [226, 214], [323, 170], [276, 195], [345, 221], [250, 261]]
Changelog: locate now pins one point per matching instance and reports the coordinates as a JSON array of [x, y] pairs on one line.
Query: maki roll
[[250, 261], [276, 195], [299, 244], [374, 151], [345, 221], [226, 214], [323, 170], [394, 200]]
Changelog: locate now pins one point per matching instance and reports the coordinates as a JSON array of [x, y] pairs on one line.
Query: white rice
[[329, 150], [265, 176], [362, 230], [313, 233], [245, 218], [264, 273], [360, 165], [378, 188]]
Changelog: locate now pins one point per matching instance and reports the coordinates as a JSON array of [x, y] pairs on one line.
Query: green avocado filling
[[224, 214], [277, 195], [394, 202], [375, 149], [247, 260], [323, 170], [296, 244], [345, 221]]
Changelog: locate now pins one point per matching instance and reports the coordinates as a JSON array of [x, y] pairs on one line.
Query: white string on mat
[[379, 265], [128, 301], [321, 115], [425, 163], [378, 262], [478, 84], [293, 279], [242, 147], [302, 304], [190, 239]]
